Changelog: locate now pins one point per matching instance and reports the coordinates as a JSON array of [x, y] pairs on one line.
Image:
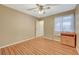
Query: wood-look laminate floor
[[38, 46]]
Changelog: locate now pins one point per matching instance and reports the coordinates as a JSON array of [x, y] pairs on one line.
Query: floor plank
[[38, 46]]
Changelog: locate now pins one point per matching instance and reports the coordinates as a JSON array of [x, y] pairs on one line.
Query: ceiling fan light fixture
[[41, 11]]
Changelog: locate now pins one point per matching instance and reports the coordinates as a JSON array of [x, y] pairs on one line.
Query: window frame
[[62, 16]]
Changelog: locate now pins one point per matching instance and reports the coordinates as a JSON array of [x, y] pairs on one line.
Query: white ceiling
[[54, 9]]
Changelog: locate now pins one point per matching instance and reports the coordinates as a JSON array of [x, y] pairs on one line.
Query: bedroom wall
[[49, 25], [15, 26], [77, 26]]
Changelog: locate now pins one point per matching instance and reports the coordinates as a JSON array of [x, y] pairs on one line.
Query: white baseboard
[[51, 38], [22, 41], [17, 42], [47, 38]]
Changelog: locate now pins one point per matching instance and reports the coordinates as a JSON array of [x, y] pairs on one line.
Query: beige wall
[[15, 26], [77, 25], [49, 25]]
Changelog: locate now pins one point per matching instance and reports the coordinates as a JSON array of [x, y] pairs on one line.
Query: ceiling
[[54, 9]]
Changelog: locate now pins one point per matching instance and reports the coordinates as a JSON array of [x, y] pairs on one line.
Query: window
[[64, 23], [58, 22], [68, 23]]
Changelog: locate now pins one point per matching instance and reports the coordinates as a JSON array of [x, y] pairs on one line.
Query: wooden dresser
[[68, 39]]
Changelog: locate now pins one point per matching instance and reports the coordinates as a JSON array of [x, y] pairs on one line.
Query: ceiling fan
[[40, 8]]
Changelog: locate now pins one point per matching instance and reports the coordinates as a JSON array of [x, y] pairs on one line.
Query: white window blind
[[58, 23], [64, 23], [68, 23]]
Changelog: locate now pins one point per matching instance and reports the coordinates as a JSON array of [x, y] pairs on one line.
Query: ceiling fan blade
[[37, 5], [32, 8], [46, 8], [40, 5], [51, 4]]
